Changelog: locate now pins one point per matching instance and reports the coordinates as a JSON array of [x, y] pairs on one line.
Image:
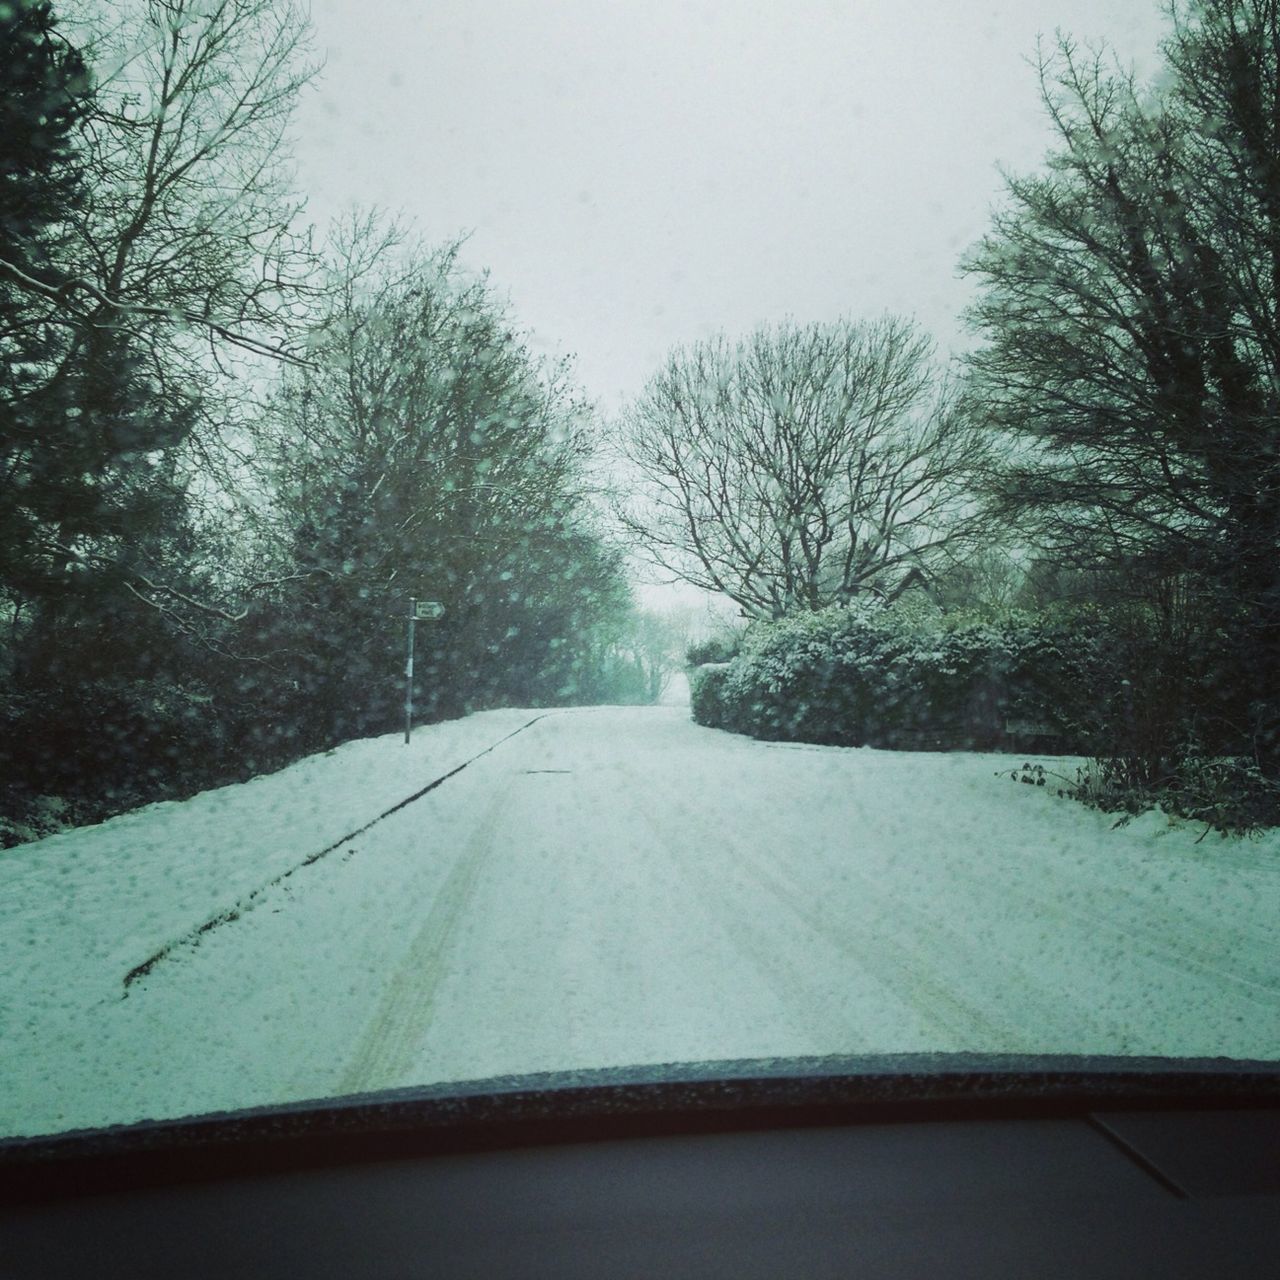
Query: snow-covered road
[[609, 887]]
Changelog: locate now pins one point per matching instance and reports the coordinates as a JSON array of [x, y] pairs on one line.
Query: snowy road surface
[[609, 887]]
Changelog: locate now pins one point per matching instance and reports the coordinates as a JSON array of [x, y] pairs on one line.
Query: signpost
[[419, 611]]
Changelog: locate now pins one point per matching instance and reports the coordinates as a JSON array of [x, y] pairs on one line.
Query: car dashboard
[[928, 1165]]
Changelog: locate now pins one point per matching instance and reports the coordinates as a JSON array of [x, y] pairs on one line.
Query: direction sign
[[428, 610]]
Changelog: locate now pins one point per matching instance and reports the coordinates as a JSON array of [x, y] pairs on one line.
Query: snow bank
[[80, 909]]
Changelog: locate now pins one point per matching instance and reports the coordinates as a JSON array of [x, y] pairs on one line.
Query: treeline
[[230, 454], [1113, 442]]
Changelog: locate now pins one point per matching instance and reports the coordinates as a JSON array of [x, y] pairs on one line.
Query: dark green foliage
[[84, 432], [40, 184], [429, 456], [88, 475], [706, 695], [45, 89], [716, 649], [1229, 794], [332, 657], [107, 710], [117, 683], [1084, 681]]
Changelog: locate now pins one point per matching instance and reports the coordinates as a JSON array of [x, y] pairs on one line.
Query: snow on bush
[[867, 674], [1083, 681]]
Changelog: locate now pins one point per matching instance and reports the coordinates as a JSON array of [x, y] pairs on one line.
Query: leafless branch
[[64, 294]]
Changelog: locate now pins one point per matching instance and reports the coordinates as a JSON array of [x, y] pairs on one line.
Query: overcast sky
[[641, 174]]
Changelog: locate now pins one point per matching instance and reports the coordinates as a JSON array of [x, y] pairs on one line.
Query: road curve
[[635, 889]]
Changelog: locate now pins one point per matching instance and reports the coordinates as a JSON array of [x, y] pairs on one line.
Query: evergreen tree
[[46, 87], [41, 184], [82, 431], [428, 455]]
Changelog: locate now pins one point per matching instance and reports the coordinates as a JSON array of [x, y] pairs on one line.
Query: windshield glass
[[548, 537]]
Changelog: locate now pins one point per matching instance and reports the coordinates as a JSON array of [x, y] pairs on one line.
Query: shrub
[[103, 747], [865, 675], [1109, 684], [870, 674], [24, 816], [706, 691], [717, 649], [1229, 794]]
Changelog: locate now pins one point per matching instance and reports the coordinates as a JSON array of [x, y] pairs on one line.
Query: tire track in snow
[[935, 971], [734, 919], [885, 961], [242, 906], [909, 972], [1186, 954], [390, 1044], [932, 972], [898, 970]]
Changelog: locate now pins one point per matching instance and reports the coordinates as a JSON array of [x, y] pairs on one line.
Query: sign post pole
[[408, 675], [419, 611]]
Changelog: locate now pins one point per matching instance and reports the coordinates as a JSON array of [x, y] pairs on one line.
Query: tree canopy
[[801, 466], [1129, 303]]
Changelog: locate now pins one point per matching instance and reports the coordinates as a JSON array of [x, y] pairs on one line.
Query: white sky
[[640, 173]]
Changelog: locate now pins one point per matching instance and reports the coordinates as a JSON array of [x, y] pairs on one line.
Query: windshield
[[538, 538]]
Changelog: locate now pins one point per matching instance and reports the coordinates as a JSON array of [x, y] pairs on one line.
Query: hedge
[[863, 675]]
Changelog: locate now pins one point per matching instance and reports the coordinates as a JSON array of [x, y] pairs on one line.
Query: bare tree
[[192, 212], [1130, 299], [429, 454], [426, 422], [177, 253], [801, 466]]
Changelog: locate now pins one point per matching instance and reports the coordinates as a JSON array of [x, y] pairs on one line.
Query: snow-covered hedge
[[1145, 700], [869, 675], [717, 649], [706, 686]]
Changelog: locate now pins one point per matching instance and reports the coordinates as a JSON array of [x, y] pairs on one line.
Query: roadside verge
[[248, 901]]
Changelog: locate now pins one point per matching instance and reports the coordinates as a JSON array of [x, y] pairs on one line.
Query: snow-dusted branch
[[64, 296]]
